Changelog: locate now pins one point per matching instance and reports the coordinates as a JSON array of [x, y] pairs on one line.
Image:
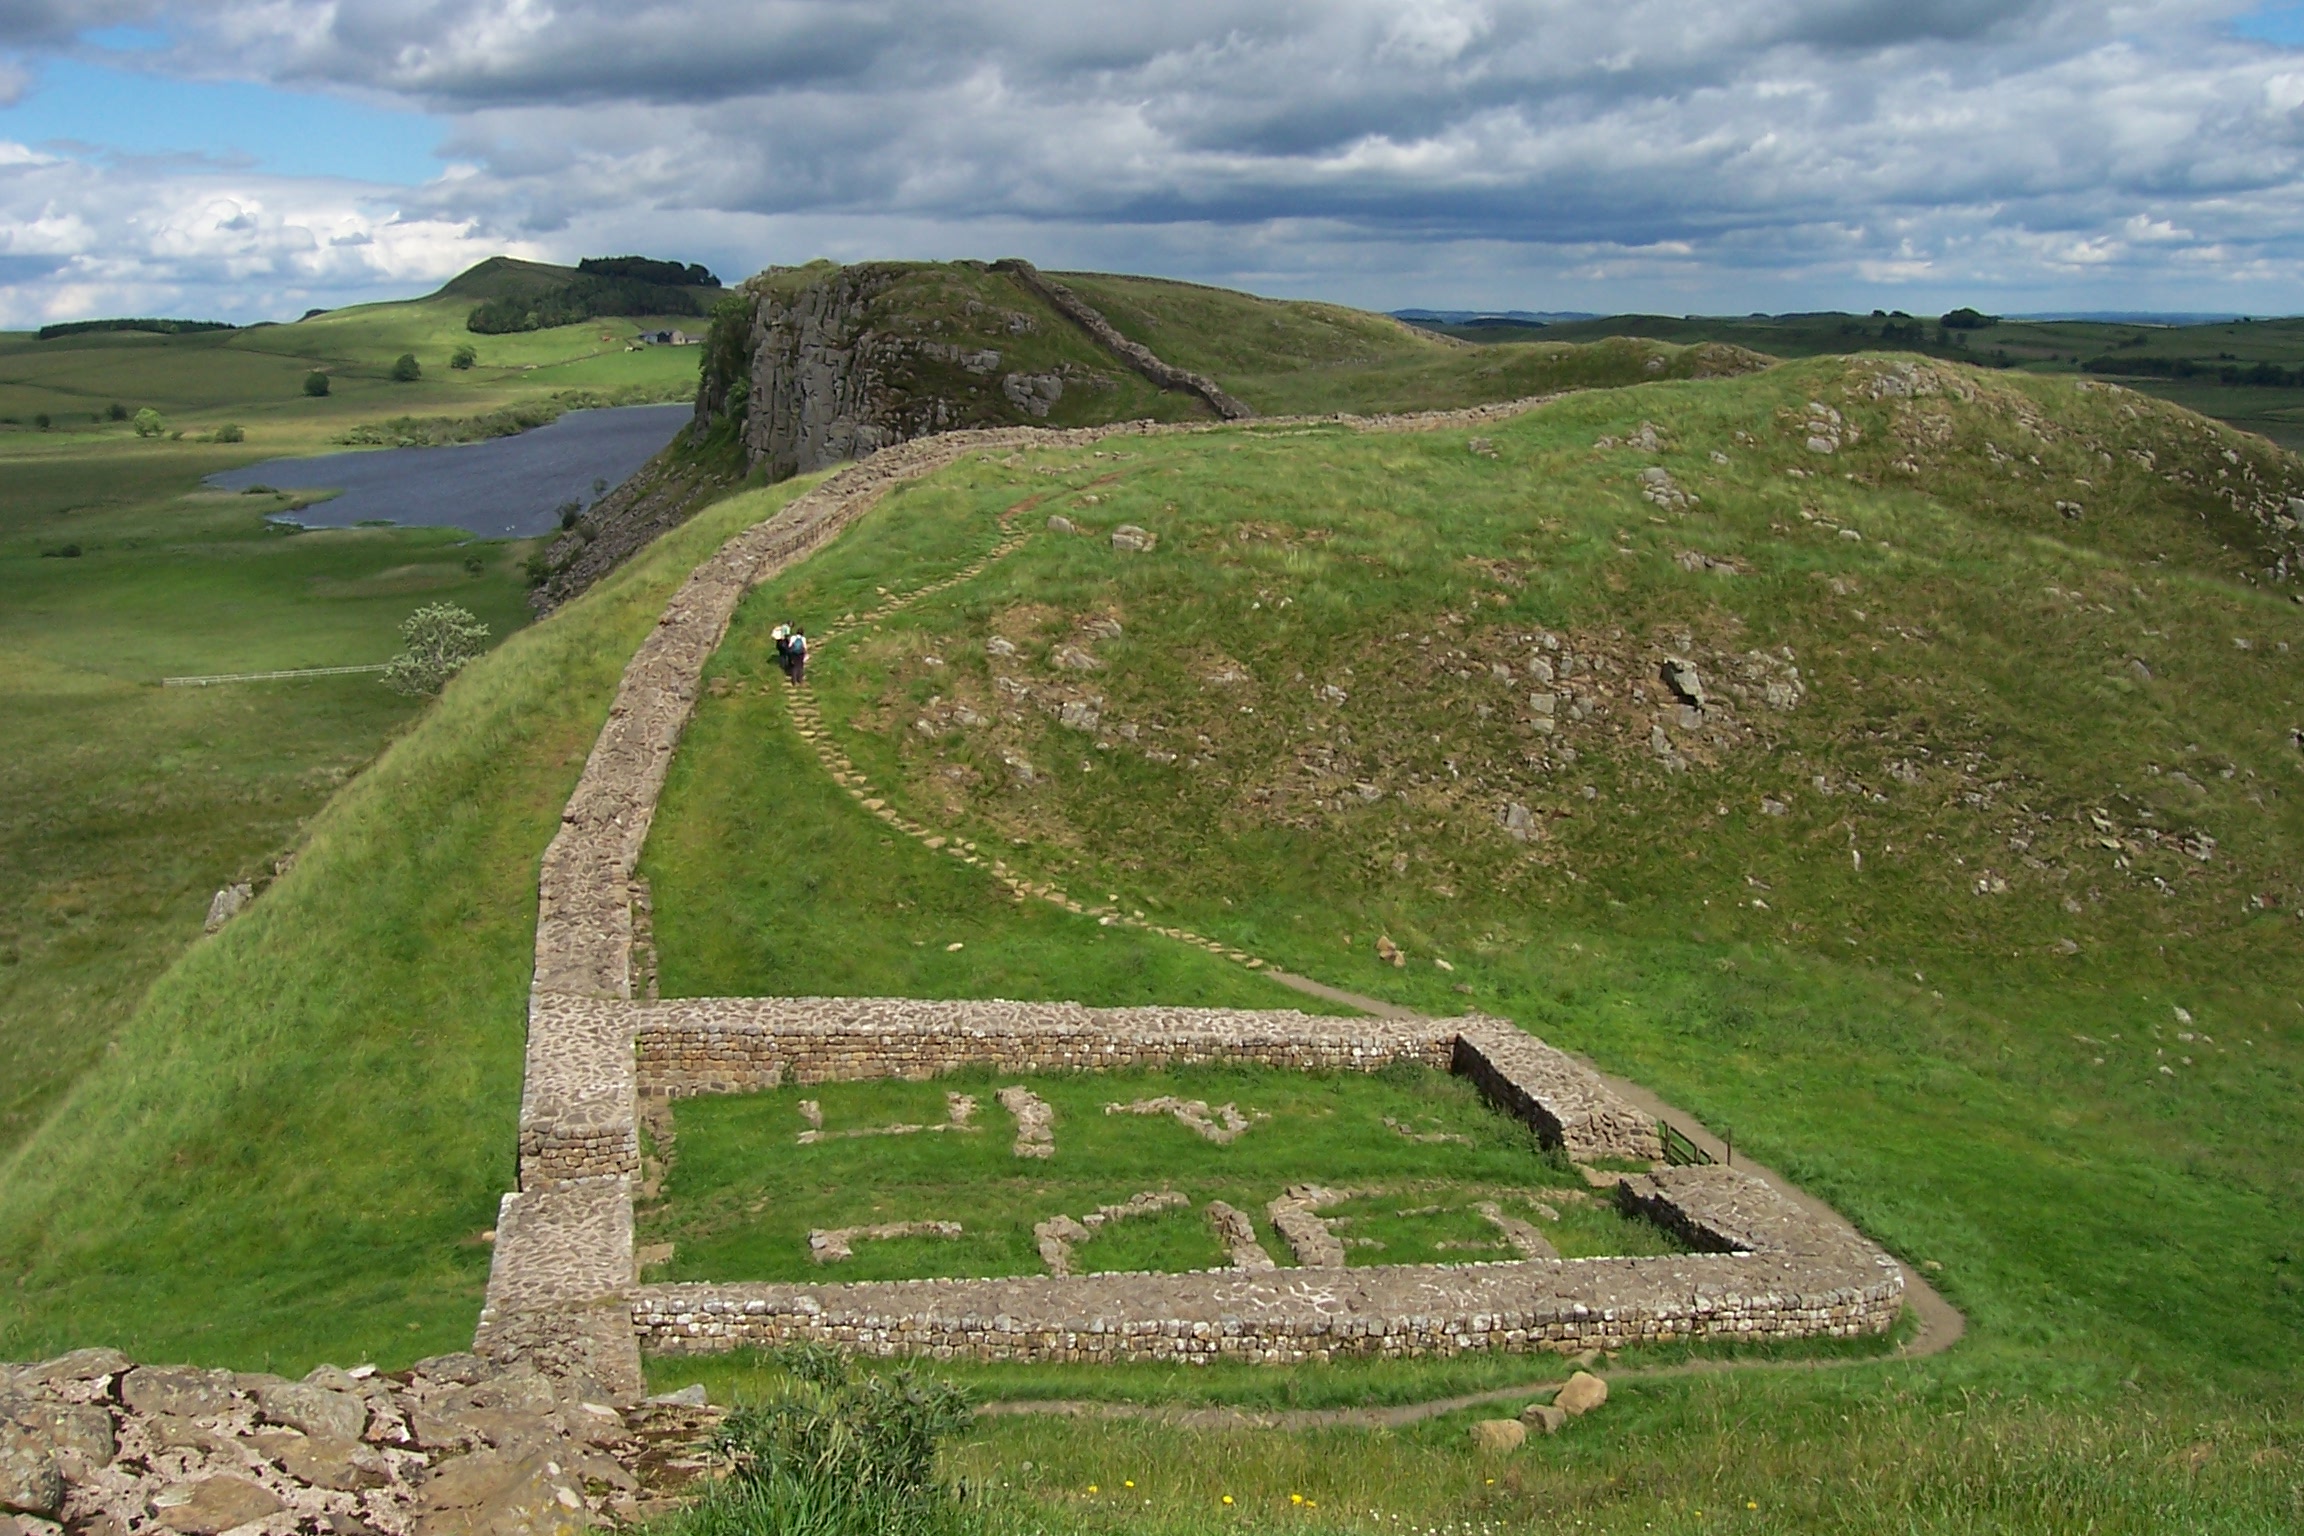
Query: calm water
[[505, 488]]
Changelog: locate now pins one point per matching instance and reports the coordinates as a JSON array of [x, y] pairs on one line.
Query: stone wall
[[1816, 1279], [1138, 356], [562, 1293], [735, 1044], [1565, 1101]]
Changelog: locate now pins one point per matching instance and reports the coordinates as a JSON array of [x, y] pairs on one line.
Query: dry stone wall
[[1138, 356], [735, 1044], [1823, 1282]]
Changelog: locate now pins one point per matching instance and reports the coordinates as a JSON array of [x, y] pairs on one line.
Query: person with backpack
[[782, 635], [796, 656]]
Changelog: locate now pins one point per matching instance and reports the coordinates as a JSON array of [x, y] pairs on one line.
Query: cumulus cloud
[[143, 237], [1616, 152]]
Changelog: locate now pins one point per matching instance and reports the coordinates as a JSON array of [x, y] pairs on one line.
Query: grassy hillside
[[1967, 896], [290, 1151], [1287, 357], [2182, 364], [124, 806]]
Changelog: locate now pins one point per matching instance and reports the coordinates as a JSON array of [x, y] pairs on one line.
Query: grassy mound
[[1890, 762]]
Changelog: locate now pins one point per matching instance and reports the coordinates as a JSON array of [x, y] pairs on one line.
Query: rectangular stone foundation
[[1815, 1279]]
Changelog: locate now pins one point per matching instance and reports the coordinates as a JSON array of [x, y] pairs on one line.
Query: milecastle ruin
[[564, 1292]]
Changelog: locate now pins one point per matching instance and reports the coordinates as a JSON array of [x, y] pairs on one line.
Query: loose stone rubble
[[1057, 1234], [1035, 1121], [93, 1443], [1296, 1217], [830, 1245], [1222, 1125]]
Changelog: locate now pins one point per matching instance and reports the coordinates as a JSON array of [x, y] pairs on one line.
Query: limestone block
[[1583, 1393], [1494, 1437]]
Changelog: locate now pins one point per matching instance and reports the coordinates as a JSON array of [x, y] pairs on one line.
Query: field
[[744, 1190], [123, 805], [2129, 353], [1925, 818]]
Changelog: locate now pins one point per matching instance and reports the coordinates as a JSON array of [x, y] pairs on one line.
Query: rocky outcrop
[[818, 367], [92, 1442], [1139, 357], [666, 492]]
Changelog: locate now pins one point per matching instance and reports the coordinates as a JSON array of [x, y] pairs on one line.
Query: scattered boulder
[[1519, 822], [1680, 675], [1132, 540], [1390, 952], [1583, 1393], [227, 903], [1073, 658], [1494, 1437], [1544, 1417], [1061, 524]]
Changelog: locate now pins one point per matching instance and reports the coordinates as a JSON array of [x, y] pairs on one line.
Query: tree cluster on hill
[[647, 269], [2260, 375], [156, 327], [587, 295]]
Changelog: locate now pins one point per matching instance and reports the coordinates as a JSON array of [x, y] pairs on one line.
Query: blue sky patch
[[135, 112], [2281, 23]]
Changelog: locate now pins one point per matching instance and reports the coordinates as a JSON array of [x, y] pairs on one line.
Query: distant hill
[[512, 295], [1482, 316]]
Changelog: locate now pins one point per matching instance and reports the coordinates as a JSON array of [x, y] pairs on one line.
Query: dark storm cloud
[[2023, 143]]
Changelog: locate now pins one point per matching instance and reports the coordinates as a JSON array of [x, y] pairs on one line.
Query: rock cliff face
[[824, 365]]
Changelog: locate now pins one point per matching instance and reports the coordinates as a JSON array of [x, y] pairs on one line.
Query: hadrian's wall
[[562, 1287]]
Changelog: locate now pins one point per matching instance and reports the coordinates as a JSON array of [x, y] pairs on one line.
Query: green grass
[[1293, 357], [290, 1151], [743, 1193], [2048, 347], [124, 806], [1973, 1074]]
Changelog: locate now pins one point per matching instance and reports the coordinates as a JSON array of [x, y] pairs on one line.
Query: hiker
[[796, 655], [782, 635]]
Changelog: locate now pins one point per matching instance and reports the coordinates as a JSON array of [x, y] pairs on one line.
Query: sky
[[250, 159]]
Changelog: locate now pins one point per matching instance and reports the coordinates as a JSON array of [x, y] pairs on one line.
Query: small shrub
[[316, 384], [150, 423], [405, 369], [228, 433], [569, 512], [41, 421], [839, 1453], [474, 565], [440, 638], [61, 552], [116, 411], [463, 357]]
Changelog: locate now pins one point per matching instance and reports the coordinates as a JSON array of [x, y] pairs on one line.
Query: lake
[[504, 488]]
